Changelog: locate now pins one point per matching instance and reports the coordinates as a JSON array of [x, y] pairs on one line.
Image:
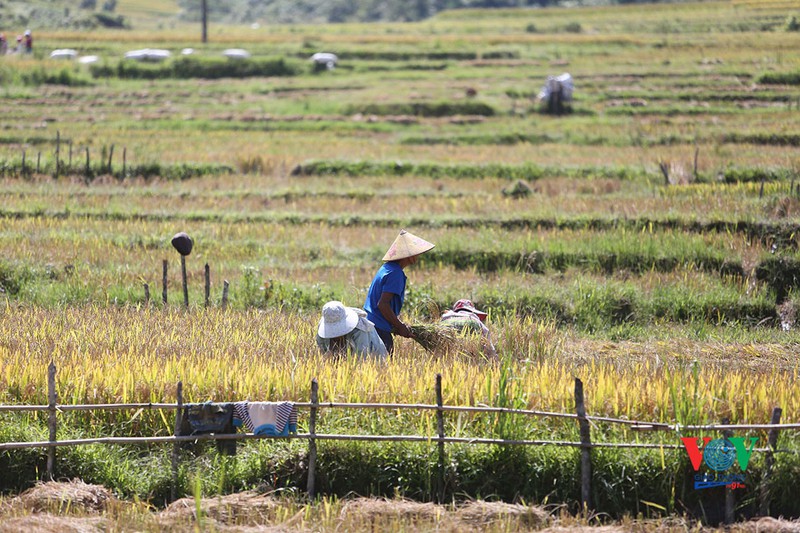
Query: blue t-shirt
[[390, 278]]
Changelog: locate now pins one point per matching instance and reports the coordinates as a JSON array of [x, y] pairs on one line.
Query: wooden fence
[[314, 405]]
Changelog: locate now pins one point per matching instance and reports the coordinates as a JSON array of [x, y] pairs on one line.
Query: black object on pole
[[183, 243]]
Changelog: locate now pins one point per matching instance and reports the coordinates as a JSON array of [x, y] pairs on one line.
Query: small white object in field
[[63, 53], [86, 60], [325, 58], [187, 51], [236, 53], [148, 54]]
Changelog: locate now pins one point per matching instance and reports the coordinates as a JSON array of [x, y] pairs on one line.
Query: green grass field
[[653, 251]]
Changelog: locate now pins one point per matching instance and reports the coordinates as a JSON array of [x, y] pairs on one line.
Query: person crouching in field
[[466, 318], [387, 290], [344, 330]]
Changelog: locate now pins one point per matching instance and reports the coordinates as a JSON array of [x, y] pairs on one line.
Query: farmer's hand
[[404, 331]]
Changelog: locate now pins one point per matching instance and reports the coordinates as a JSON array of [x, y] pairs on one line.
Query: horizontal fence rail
[[585, 445]]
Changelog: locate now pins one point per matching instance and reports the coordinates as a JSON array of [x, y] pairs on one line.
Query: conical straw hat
[[406, 245]]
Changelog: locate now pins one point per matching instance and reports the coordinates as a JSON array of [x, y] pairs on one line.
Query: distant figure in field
[[344, 330], [466, 318], [3, 44], [28, 42]]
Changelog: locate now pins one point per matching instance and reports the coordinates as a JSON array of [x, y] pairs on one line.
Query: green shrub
[[792, 23]]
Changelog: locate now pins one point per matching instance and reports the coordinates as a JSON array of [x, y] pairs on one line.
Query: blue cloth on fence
[[208, 418], [266, 418]]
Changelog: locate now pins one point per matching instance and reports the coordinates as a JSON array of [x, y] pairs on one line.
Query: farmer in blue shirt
[[387, 291]]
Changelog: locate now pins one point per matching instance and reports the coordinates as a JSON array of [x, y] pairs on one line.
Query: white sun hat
[[337, 320], [407, 245]]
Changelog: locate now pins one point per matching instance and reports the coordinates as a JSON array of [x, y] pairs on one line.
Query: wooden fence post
[[440, 428], [225, 286], [183, 278], [110, 158], [38, 162], [23, 163], [208, 284], [586, 443], [88, 172], [146, 294], [312, 442], [58, 153], [730, 496], [52, 421], [176, 447], [164, 281], [769, 462], [70, 155], [124, 161]]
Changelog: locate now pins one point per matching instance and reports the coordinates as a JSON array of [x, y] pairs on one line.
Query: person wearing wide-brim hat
[[466, 318], [345, 330], [387, 290]]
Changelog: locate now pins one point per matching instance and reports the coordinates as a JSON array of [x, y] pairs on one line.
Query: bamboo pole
[[164, 281], [312, 442], [586, 459], [769, 462], [208, 283], [421, 406], [52, 421], [176, 448], [440, 428], [334, 437]]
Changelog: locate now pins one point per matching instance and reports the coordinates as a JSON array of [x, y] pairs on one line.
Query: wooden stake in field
[[183, 243], [164, 266], [586, 444], [208, 284], [52, 398]]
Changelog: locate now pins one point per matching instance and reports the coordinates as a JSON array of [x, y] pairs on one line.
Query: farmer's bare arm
[[385, 307]]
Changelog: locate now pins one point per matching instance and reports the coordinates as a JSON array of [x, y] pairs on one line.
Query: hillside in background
[[148, 14]]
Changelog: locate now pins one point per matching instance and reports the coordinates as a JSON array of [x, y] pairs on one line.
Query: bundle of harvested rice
[[435, 337]]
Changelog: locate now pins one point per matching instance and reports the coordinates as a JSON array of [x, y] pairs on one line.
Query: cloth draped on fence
[[266, 418]]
